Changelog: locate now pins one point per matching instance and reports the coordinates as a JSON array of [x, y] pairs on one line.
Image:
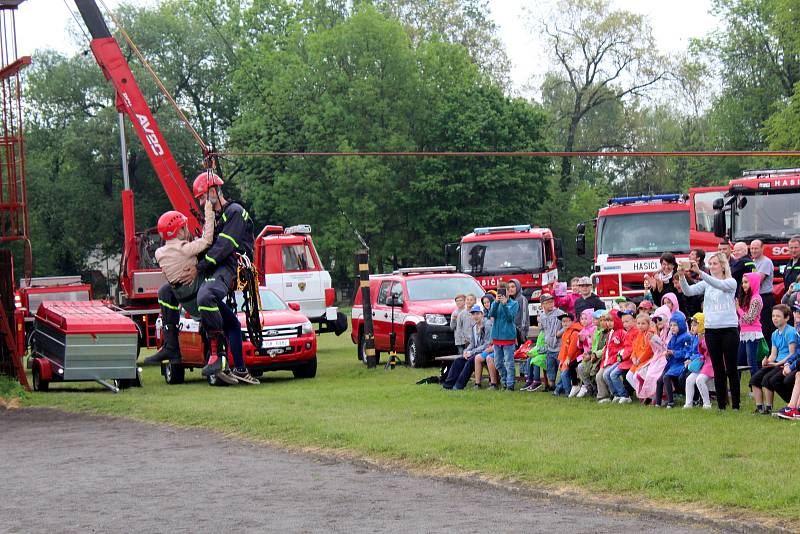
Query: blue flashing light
[[500, 229], [646, 198]]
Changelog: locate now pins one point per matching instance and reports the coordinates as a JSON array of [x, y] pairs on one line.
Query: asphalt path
[[77, 473]]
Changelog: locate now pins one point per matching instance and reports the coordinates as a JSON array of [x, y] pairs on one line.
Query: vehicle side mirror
[[718, 204], [720, 229], [294, 306], [396, 301], [580, 244]]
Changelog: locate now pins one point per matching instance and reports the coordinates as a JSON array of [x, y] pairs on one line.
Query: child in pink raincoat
[[659, 361]]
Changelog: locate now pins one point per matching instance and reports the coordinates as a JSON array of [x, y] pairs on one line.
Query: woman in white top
[[722, 323]]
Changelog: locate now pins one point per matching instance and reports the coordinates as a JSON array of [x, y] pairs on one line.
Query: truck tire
[[174, 373], [360, 351], [415, 357], [38, 383], [309, 370]]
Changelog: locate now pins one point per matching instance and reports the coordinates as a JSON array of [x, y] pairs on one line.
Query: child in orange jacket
[[568, 355]]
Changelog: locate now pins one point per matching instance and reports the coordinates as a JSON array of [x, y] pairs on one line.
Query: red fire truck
[[765, 205], [530, 254], [631, 233]]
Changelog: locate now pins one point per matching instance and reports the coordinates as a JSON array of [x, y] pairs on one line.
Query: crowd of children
[[650, 350]]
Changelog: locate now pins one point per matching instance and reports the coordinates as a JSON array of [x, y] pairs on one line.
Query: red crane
[[139, 276]]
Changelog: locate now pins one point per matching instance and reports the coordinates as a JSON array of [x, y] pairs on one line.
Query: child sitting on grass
[[590, 364], [614, 345], [537, 357], [677, 353], [613, 375], [642, 352], [658, 362], [568, 356], [699, 365], [784, 344]]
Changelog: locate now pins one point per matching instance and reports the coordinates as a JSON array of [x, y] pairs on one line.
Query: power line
[[522, 154]]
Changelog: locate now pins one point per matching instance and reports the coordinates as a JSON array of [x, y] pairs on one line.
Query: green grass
[[705, 457]]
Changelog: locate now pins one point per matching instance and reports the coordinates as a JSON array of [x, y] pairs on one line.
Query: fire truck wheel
[[309, 370], [362, 355], [38, 383], [174, 373], [414, 354]]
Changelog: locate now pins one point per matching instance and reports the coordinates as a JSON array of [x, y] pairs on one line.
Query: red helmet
[[204, 182], [170, 223]]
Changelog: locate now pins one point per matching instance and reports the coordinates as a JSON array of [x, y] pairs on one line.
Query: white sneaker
[[624, 400], [604, 401], [615, 400], [687, 406], [706, 406], [583, 392], [574, 391]]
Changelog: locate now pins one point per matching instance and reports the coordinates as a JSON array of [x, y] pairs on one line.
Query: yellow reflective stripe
[[245, 215], [207, 308], [210, 279], [229, 238], [168, 305], [212, 260], [224, 218]]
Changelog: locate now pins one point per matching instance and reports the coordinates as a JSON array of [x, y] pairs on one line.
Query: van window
[[297, 258], [383, 293]]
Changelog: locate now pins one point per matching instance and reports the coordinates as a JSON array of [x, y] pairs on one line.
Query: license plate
[[274, 343]]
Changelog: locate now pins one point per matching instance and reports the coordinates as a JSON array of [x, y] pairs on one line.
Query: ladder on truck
[[13, 193]]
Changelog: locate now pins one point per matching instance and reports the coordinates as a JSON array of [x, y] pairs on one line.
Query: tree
[[604, 56], [464, 22], [756, 59], [359, 85]]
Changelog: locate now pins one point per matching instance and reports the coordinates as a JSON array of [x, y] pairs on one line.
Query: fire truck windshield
[[502, 256], [643, 234], [766, 215]]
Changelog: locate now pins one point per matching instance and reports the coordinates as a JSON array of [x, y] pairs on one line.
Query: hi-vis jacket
[[233, 233]]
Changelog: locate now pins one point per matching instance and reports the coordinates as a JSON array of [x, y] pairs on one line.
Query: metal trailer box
[[85, 340]]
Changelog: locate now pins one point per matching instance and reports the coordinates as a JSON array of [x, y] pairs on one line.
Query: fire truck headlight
[[307, 327], [436, 319]]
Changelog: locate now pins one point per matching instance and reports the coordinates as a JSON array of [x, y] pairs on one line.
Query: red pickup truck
[[422, 305]]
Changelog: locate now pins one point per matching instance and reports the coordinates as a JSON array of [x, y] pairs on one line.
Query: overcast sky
[[44, 23]]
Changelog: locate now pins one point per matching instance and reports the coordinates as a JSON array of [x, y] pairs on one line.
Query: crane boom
[[131, 101]]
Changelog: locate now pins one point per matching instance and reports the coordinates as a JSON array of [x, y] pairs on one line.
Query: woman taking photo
[[722, 323]]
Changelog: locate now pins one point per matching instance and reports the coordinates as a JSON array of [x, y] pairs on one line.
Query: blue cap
[[476, 309]]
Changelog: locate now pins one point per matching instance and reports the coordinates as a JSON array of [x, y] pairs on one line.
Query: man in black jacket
[[741, 263], [587, 300], [233, 236]]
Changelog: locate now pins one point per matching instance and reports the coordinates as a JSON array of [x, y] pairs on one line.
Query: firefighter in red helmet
[[233, 236]]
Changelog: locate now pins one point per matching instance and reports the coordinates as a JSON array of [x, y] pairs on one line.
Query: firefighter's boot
[[217, 353], [170, 351]]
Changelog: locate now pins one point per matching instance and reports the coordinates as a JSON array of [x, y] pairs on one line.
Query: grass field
[[708, 458]]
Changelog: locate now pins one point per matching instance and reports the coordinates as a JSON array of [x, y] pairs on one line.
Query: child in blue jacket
[[679, 349], [504, 334]]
